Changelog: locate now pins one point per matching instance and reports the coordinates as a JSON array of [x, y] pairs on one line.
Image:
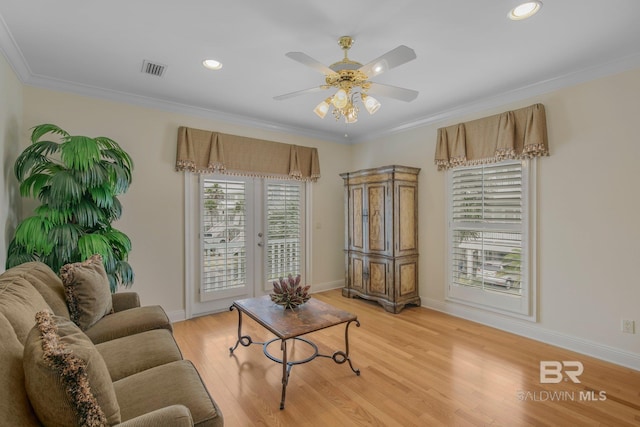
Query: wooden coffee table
[[287, 324]]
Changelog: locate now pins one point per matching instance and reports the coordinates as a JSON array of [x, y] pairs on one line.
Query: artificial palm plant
[[76, 179]]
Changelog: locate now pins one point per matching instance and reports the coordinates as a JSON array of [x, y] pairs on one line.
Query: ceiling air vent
[[153, 68]]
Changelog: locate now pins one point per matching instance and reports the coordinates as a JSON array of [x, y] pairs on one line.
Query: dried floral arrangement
[[289, 292]]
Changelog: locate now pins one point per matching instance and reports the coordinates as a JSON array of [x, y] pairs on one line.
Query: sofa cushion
[[129, 322], [176, 383], [66, 379], [19, 302], [46, 281], [14, 404], [135, 353], [169, 416], [87, 289]]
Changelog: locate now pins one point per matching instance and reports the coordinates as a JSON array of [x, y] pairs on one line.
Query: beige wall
[[10, 128], [588, 204], [153, 213]]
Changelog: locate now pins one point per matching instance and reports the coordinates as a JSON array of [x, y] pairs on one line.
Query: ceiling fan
[[351, 78]]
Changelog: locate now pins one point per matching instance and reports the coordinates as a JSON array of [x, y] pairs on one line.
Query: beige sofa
[[128, 361]]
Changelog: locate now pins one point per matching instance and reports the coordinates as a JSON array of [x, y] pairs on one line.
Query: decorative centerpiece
[[289, 293]]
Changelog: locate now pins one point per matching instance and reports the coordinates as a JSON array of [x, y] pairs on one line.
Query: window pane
[[223, 234], [284, 230], [489, 260]]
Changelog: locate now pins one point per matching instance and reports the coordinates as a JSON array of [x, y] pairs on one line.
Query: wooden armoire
[[381, 235]]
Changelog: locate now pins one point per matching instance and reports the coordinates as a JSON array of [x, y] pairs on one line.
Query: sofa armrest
[[169, 416], [125, 300]]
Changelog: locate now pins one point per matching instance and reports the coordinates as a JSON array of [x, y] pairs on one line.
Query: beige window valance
[[513, 134], [203, 151]]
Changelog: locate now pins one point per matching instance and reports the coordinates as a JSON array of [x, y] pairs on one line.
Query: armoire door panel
[[377, 215], [407, 235], [378, 278], [408, 278], [357, 268], [357, 219]]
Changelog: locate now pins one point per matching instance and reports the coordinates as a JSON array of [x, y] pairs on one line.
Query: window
[[284, 229], [224, 260], [489, 253]]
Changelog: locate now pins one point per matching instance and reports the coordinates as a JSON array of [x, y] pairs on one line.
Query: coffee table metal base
[[338, 357]]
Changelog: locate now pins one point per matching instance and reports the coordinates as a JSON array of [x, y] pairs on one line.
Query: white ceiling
[[469, 54]]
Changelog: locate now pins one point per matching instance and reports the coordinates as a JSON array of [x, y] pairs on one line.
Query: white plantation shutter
[[491, 193], [223, 235], [488, 235], [284, 229]]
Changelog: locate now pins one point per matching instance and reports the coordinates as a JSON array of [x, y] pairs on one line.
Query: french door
[[249, 232]]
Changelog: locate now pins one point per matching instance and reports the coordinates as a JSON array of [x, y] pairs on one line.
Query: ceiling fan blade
[[395, 92], [305, 59], [299, 92], [398, 56]]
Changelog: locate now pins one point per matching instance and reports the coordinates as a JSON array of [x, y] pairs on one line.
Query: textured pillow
[[67, 380], [87, 290]]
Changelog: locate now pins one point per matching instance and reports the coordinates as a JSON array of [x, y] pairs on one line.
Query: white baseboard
[[533, 331], [180, 315], [321, 287]]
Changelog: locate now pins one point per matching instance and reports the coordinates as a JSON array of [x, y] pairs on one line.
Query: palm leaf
[[33, 234], [95, 243], [120, 177], [96, 175], [115, 212], [33, 184], [44, 148], [67, 237], [119, 241], [55, 216], [41, 130], [87, 214], [27, 162], [119, 156], [65, 191], [103, 197], [124, 274], [79, 152], [17, 254]]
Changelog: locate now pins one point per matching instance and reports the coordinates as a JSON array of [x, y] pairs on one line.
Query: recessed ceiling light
[[525, 10], [212, 64]]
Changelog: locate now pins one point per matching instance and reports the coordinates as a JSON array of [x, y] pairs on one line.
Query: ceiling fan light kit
[[351, 79]]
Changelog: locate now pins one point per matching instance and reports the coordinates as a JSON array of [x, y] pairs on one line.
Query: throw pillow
[[87, 291], [67, 380]]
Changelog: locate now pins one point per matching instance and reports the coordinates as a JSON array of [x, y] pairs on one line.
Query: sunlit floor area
[[418, 368]]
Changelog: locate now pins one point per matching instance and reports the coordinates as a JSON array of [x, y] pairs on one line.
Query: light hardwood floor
[[419, 368]]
